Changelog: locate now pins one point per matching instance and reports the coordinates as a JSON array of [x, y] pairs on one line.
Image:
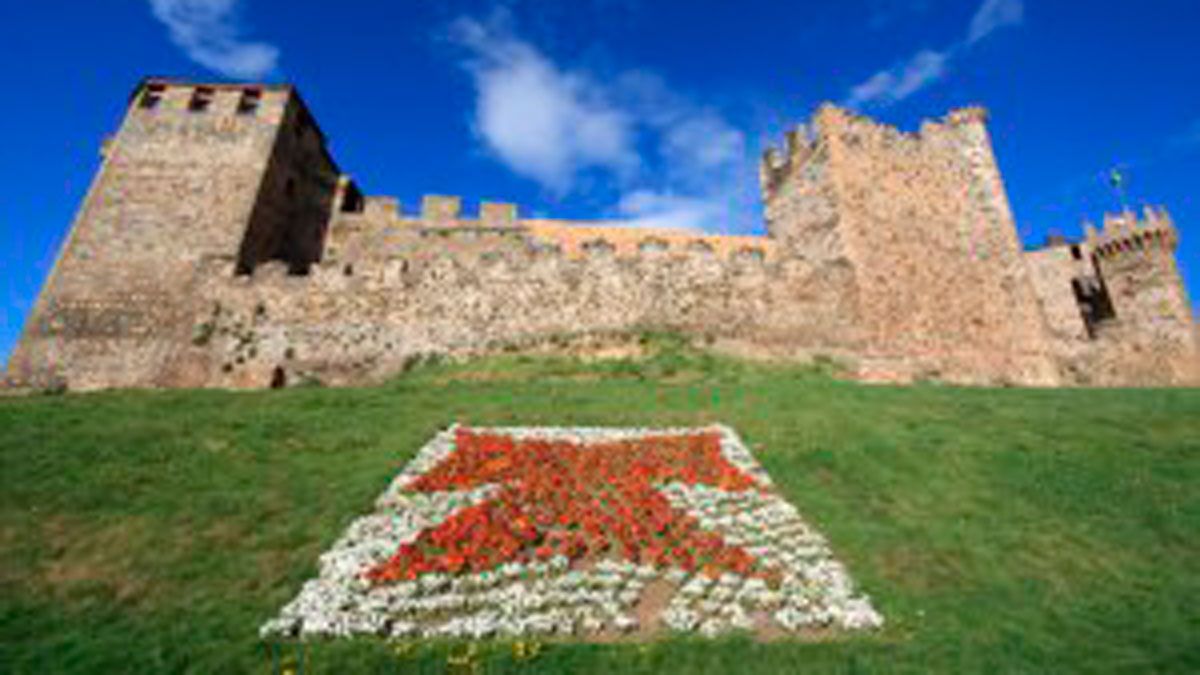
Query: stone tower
[[923, 221], [198, 179], [1152, 324]]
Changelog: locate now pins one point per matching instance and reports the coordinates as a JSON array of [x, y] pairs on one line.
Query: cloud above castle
[[926, 66], [210, 33], [671, 161]]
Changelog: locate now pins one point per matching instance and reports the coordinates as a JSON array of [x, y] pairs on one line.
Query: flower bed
[[594, 533]]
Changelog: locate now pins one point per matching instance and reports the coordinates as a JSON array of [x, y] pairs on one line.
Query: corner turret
[[1136, 257]]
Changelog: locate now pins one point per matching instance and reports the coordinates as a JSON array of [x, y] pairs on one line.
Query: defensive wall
[[221, 245]]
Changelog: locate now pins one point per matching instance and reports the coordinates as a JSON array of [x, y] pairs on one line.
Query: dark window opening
[[152, 96], [202, 98], [1094, 304], [248, 104], [278, 378], [348, 270], [1075, 252], [352, 200]]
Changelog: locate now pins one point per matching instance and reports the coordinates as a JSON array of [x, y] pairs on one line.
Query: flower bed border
[[605, 602]]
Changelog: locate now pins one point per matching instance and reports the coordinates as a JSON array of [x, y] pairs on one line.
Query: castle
[[220, 245]]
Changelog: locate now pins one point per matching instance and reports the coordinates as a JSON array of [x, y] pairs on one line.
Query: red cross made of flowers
[[563, 498]]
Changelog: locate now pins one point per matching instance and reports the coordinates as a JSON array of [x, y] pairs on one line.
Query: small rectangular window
[[248, 104], [1075, 253], [202, 98], [352, 200], [152, 96]]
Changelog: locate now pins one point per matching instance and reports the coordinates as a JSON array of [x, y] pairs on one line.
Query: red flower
[[557, 497]]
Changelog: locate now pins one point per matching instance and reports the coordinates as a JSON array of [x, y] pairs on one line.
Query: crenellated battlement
[[799, 145], [1125, 233], [161, 97], [804, 143], [444, 211], [444, 227], [800, 141]]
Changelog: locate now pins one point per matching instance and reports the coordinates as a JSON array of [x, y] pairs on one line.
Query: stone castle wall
[[392, 287], [221, 246], [922, 219]]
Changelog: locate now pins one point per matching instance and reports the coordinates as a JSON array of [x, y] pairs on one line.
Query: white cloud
[[543, 122], [702, 142], [647, 208], [993, 15], [207, 31], [900, 81], [927, 66], [669, 161]]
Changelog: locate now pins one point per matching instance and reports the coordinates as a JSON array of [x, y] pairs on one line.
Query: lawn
[[997, 530]]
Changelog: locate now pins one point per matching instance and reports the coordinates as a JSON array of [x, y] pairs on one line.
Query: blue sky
[[653, 112]]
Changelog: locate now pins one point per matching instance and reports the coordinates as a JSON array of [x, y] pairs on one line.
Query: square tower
[[199, 177], [922, 220]]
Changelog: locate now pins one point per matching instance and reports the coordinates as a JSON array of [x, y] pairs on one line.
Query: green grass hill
[[997, 530]]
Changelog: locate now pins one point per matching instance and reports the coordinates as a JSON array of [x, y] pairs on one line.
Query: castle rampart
[[220, 245]]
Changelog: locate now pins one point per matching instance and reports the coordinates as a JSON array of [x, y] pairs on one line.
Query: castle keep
[[221, 245]]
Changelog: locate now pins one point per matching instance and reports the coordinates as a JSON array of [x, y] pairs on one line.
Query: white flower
[[610, 608], [629, 596], [722, 593], [591, 623], [711, 627], [792, 618], [278, 628], [738, 618], [680, 619], [859, 614], [402, 629], [625, 623], [696, 586], [433, 582]]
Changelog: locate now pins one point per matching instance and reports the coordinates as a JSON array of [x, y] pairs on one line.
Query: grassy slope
[[997, 530]]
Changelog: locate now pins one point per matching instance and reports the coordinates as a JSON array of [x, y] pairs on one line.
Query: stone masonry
[[221, 246]]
